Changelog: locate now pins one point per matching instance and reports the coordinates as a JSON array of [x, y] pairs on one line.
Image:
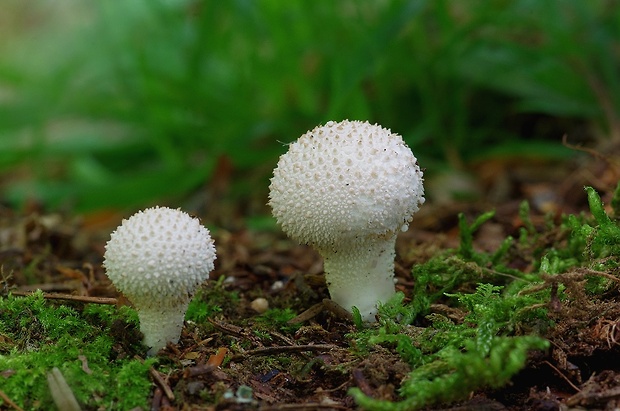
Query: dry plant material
[[218, 358], [161, 382], [305, 406], [308, 314], [61, 392], [70, 297], [283, 349], [8, 401]]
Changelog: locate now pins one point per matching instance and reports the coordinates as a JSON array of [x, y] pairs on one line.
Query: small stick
[[8, 401], [281, 349], [309, 405], [588, 271], [158, 380], [308, 314], [282, 338], [564, 377], [590, 151], [70, 297], [337, 310], [228, 328], [162, 383]]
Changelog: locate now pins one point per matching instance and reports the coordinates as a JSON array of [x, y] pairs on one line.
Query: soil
[[314, 368]]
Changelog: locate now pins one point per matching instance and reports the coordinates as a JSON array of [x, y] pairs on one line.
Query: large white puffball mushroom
[[347, 188], [158, 258]]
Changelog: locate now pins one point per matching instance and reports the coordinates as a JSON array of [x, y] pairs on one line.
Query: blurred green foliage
[[110, 104]]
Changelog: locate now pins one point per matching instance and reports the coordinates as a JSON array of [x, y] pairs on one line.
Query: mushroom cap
[[159, 256], [345, 181]]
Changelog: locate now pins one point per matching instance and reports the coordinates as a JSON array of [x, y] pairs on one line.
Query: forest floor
[[301, 357]]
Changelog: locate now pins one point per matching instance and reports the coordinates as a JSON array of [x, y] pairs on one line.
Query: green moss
[[210, 300], [81, 343], [277, 318], [454, 373], [503, 318], [449, 359], [200, 308]]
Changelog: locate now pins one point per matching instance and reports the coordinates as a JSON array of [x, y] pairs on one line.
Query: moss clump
[[451, 359], [486, 339], [101, 371], [210, 299], [277, 318]]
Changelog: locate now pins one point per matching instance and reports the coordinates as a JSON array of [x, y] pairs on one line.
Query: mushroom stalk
[[361, 275], [161, 325]]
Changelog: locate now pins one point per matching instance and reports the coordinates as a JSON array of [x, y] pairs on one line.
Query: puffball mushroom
[[347, 188], [158, 258]]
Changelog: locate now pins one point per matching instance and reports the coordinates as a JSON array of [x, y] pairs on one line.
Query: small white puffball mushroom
[[158, 258], [347, 188]]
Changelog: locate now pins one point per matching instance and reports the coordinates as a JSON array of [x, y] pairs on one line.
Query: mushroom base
[[161, 324], [361, 275]]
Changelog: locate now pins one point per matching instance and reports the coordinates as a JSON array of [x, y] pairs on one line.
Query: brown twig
[[283, 349], [308, 314], [590, 151], [564, 377], [228, 328], [588, 271], [305, 406], [159, 380], [162, 383], [8, 401], [282, 338], [70, 297], [337, 310]]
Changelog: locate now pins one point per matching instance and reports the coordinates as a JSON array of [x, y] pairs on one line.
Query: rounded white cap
[[345, 181], [159, 256]]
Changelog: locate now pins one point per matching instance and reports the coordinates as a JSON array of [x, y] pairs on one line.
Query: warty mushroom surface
[[158, 258], [347, 188]]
